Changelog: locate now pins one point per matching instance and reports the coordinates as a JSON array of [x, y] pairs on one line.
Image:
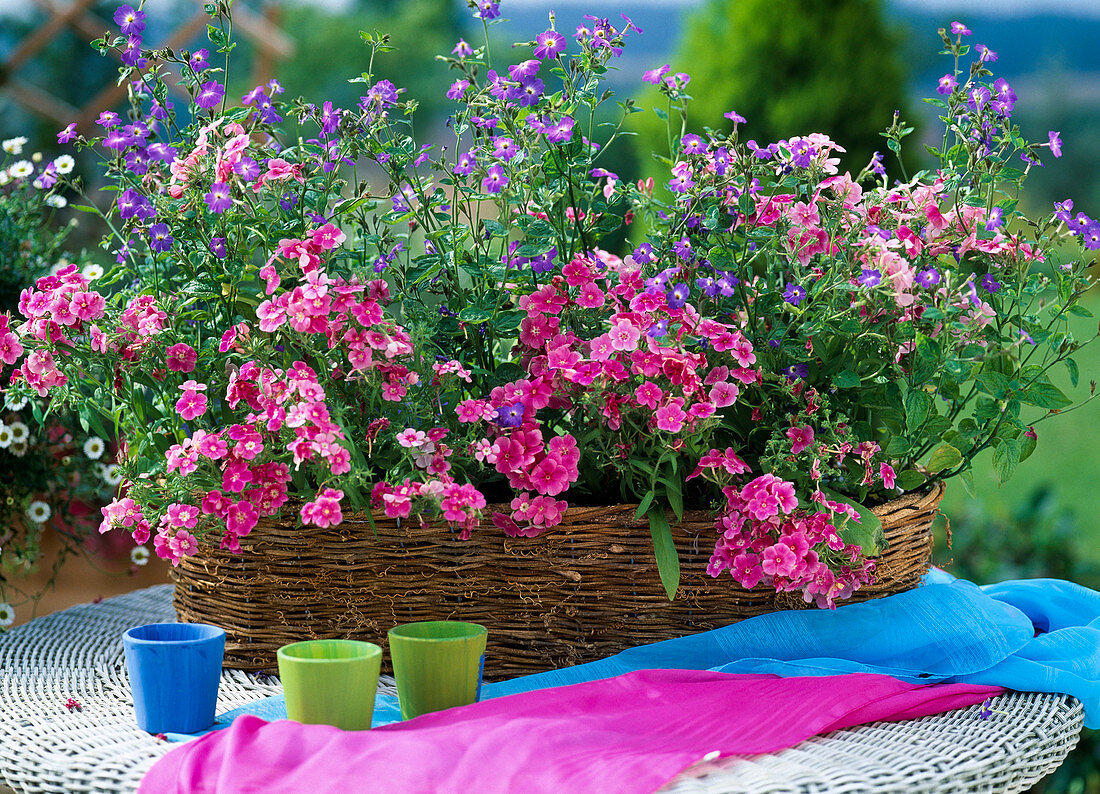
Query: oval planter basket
[[584, 590]]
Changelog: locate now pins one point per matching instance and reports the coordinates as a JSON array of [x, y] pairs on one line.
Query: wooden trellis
[[271, 43]]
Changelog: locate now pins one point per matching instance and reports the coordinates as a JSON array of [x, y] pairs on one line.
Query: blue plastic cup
[[175, 669]]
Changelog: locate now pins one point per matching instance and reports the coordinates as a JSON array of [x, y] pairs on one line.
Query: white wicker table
[[77, 653]]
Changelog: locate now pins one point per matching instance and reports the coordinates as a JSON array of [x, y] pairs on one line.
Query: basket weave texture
[[587, 589]]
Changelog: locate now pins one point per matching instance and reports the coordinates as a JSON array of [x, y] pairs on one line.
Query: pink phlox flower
[[624, 335], [801, 438], [236, 477], [191, 405], [886, 472], [724, 394], [779, 560], [649, 394], [411, 438], [181, 357], [670, 417]]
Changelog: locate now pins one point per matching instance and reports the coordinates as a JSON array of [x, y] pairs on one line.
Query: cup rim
[[286, 652], [401, 634], [218, 633]]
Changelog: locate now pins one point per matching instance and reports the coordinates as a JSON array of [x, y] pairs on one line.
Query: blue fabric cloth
[[1039, 635]]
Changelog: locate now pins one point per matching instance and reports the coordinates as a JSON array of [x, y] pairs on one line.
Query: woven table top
[[77, 653]]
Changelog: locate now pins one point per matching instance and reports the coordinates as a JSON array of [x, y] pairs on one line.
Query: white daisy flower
[[14, 145], [64, 164], [7, 615], [56, 201], [19, 432], [5, 177], [19, 450], [111, 474], [92, 271], [94, 448], [21, 169], [139, 555], [5, 436], [39, 512], [15, 403]]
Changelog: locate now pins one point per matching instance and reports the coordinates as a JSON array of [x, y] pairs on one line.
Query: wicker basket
[[585, 590]]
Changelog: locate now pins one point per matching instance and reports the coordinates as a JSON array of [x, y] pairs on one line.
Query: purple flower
[[217, 247], [928, 278], [683, 250], [117, 139], [1062, 211], [946, 84], [462, 49], [465, 164], [1080, 223], [681, 183], [720, 159], [160, 238], [381, 94], [487, 9], [247, 168], [504, 148], [510, 415], [985, 55], [256, 96], [978, 98], [797, 372], [802, 153], [877, 167], [1054, 141], [725, 285], [288, 201], [137, 161], [457, 89], [107, 119], [989, 284], [870, 277], [1091, 236], [765, 153], [198, 61], [659, 328], [692, 144], [132, 204], [549, 44], [562, 131], [545, 262], [996, 219], [1004, 97], [209, 95], [959, 29], [67, 134], [524, 69], [130, 21], [678, 296], [219, 199], [794, 294], [529, 92], [131, 53], [643, 254], [654, 75], [495, 180], [735, 117]]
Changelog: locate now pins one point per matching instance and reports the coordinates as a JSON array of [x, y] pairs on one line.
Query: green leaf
[[846, 379], [1027, 445], [1006, 455], [668, 561], [992, 383], [472, 314], [944, 457], [910, 480], [643, 506], [867, 534], [917, 405], [1045, 394], [674, 494], [495, 228], [1074, 372]]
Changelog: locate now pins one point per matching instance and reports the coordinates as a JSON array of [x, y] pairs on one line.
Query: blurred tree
[[790, 67]]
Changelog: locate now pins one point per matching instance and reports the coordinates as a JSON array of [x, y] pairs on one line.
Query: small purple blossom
[[735, 117], [219, 199], [510, 415], [160, 237], [677, 296], [462, 49], [1063, 209], [549, 44], [762, 153], [1054, 141], [946, 84], [797, 372], [870, 277], [67, 134], [210, 94], [487, 9], [794, 294], [129, 20], [465, 164], [989, 284], [495, 180], [654, 75], [130, 54], [928, 278], [692, 144], [996, 219], [457, 89], [985, 55], [132, 204], [217, 247], [1091, 236], [247, 168], [959, 29], [198, 60]]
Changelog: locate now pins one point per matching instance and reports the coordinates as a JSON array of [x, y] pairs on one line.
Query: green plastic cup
[[438, 664], [330, 682]]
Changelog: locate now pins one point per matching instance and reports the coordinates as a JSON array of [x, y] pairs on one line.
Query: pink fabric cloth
[[627, 734]]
